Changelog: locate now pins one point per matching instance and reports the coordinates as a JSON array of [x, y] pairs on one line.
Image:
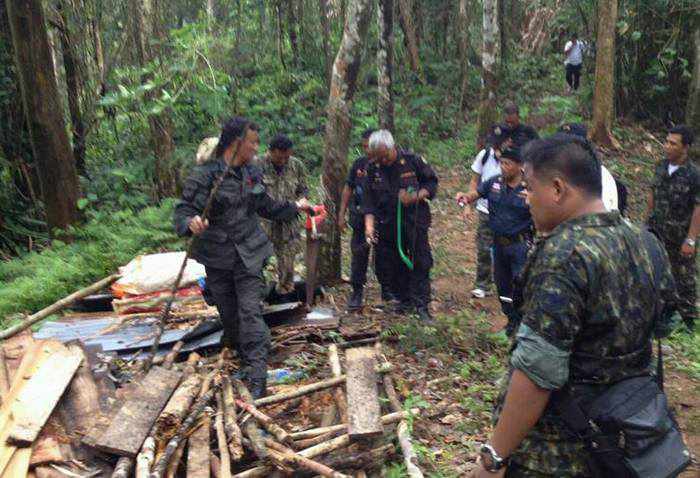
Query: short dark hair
[[233, 129], [575, 129], [512, 153], [281, 143], [686, 134], [570, 156], [367, 133], [511, 108]]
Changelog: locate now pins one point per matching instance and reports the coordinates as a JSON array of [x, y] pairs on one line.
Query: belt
[[510, 240]]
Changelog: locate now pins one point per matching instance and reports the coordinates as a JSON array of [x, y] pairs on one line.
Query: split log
[[56, 306], [233, 431], [292, 457], [134, 420], [145, 458], [311, 388], [4, 378], [409, 454], [198, 452], [221, 437], [123, 467], [364, 410], [338, 394], [172, 354], [277, 431], [40, 395], [183, 431], [343, 427], [250, 429], [176, 409]]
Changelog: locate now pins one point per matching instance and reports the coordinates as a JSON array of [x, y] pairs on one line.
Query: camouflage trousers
[[685, 273], [285, 253], [484, 258]]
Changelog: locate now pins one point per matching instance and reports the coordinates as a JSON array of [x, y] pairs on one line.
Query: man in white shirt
[[485, 166], [574, 60]]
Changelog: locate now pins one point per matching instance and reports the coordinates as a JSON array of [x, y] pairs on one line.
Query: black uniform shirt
[[509, 213], [357, 180]]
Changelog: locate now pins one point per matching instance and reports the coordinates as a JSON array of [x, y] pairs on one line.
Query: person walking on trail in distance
[[398, 175], [584, 323], [573, 50], [231, 244], [485, 166], [674, 215], [511, 224], [351, 201], [285, 179], [519, 133]]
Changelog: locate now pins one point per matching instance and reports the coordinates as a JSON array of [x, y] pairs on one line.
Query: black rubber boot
[[355, 300]]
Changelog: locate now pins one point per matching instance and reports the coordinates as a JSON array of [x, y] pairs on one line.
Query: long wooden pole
[[56, 306]]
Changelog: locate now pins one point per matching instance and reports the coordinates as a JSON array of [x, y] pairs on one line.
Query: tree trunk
[[502, 46], [292, 31], [338, 127], [74, 85], [280, 33], [409, 35], [146, 27], [463, 22], [385, 61], [692, 113], [42, 108], [604, 74], [489, 60], [210, 14], [326, 38]]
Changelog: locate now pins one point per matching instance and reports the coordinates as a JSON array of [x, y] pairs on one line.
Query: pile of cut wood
[[61, 414]]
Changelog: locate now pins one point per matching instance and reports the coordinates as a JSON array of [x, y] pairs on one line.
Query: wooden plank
[[19, 463], [198, 453], [39, 396], [364, 410], [80, 406], [130, 426], [34, 357]]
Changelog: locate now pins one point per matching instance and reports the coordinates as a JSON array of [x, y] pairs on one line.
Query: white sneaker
[[479, 293]]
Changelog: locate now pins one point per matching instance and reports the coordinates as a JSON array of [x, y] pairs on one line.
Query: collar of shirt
[[602, 219]]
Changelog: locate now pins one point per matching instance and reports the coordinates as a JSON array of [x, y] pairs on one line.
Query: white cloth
[[609, 194], [672, 168], [486, 169], [575, 55]]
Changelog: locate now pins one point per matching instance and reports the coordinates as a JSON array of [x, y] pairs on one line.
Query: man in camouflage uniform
[[674, 215], [285, 178], [585, 322]]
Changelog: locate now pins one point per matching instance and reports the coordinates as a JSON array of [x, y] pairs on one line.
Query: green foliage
[[105, 242], [689, 346]]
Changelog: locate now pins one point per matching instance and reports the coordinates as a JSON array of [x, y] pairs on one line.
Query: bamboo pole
[[56, 306], [386, 420], [233, 431], [338, 394], [249, 427], [277, 431], [292, 457], [221, 437], [145, 458]]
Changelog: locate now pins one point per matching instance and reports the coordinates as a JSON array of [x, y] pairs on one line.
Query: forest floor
[[454, 369]]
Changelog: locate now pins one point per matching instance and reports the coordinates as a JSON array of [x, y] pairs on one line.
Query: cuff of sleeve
[[546, 365]]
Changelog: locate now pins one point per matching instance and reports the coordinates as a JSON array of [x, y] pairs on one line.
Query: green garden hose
[[399, 240]]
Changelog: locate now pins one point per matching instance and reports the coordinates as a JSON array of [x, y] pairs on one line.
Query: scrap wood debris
[[70, 408]]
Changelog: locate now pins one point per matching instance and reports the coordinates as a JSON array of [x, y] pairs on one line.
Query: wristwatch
[[690, 242], [491, 459]]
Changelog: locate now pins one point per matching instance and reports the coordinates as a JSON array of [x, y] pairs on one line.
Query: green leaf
[[636, 35], [123, 90], [82, 203]]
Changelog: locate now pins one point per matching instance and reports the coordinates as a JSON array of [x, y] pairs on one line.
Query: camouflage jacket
[[675, 197], [592, 294], [289, 184]]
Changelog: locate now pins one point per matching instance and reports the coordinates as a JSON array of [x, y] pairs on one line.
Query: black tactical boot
[[257, 387], [424, 315], [355, 300]]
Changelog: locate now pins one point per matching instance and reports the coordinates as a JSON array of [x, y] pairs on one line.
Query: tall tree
[[74, 83], [463, 22], [489, 65], [385, 60], [410, 39], [603, 106], [338, 126], [147, 28], [326, 39], [692, 112], [47, 130], [292, 27]]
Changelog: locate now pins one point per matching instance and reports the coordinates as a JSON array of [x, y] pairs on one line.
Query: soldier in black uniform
[[398, 175], [231, 244], [351, 201], [520, 133]]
